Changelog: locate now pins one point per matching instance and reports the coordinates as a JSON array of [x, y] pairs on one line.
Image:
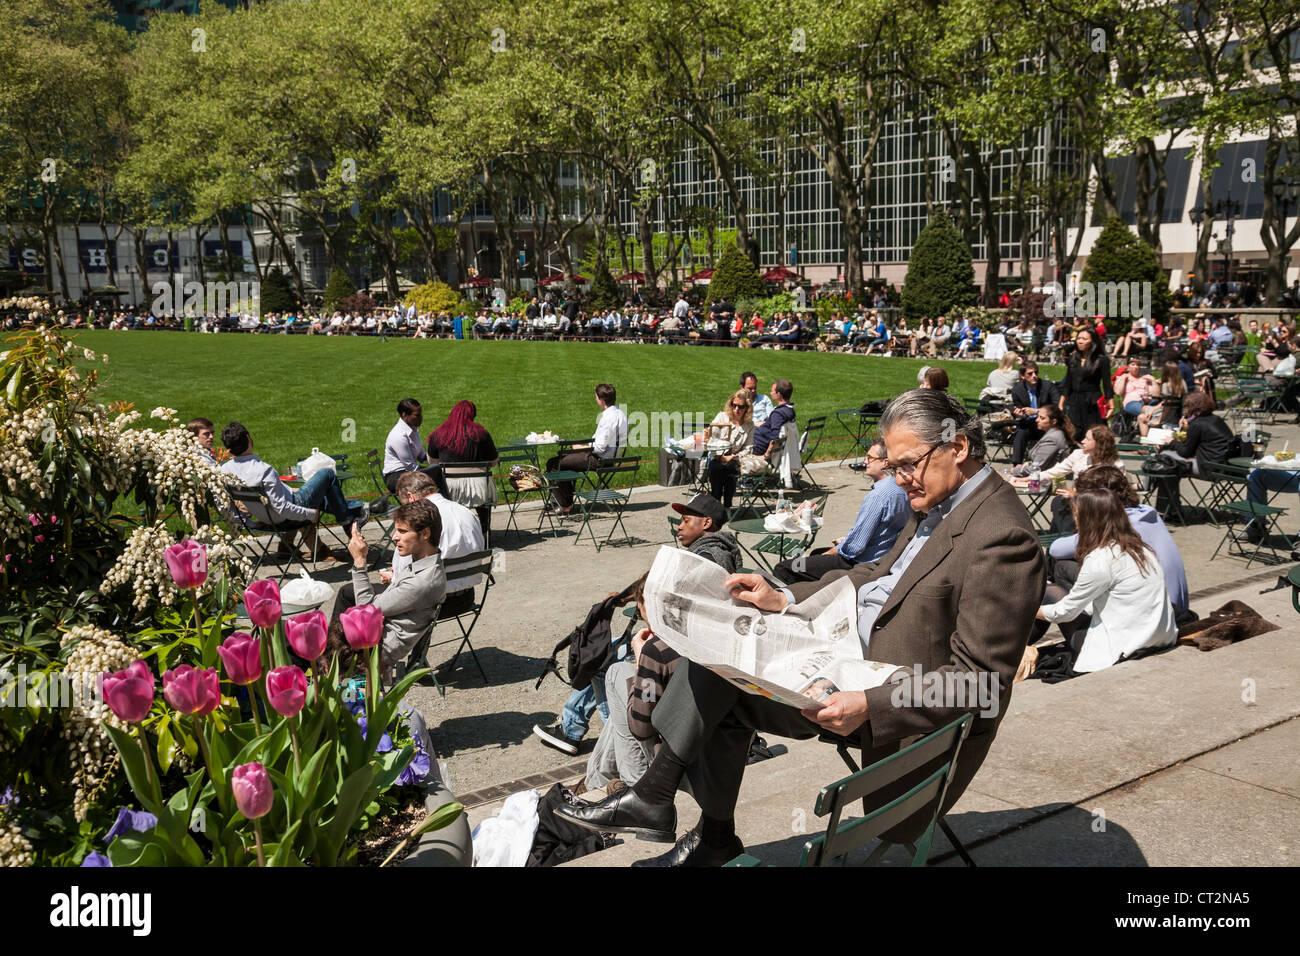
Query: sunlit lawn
[[340, 393]]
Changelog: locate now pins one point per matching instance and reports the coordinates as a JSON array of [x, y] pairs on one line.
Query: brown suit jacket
[[965, 605]]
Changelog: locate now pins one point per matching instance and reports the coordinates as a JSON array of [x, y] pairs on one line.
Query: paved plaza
[[1183, 758]]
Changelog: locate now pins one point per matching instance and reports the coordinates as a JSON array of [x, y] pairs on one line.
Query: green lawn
[[298, 392]]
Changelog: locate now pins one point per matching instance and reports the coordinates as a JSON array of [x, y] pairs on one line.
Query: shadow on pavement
[[505, 729], [1070, 837]]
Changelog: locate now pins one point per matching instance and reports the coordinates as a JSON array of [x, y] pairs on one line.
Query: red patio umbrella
[[704, 275], [559, 277], [478, 282], [780, 274], [637, 277]]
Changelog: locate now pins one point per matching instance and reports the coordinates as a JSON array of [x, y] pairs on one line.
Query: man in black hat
[[701, 532]]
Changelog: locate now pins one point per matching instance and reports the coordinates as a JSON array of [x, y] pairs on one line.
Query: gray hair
[[935, 417]]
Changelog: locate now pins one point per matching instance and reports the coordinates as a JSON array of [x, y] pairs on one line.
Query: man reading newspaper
[[950, 607]]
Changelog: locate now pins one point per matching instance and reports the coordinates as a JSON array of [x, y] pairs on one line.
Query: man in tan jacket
[[953, 601]]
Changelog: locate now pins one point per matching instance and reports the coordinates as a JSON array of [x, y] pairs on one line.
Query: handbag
[[525, 477], [1162, 465]]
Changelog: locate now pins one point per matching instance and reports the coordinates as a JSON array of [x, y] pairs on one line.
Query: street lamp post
[[1227, 209]]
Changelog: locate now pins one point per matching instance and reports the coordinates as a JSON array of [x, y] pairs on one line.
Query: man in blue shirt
[[882, 515], [782, 412]]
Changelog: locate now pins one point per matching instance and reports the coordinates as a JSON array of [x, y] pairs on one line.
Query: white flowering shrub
[[93, 652], [71, 469]]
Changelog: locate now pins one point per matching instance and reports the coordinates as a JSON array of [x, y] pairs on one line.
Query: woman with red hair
[[461, 439]]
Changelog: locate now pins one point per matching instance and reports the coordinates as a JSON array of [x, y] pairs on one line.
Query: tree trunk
[[198, 252], [138, 239], [1278, 240], [989, 219]]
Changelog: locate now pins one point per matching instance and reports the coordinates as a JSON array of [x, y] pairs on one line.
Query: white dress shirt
[[1130, 610], [402, 450], [461, 535], [611, 432]]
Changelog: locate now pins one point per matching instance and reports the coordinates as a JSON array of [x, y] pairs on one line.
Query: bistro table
[[782, 544], [1036, 504], [562, 445]]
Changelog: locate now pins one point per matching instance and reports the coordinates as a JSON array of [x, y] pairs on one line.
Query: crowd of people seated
[[1113, 582]]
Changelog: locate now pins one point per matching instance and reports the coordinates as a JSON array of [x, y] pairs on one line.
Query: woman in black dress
[[1087, 379]]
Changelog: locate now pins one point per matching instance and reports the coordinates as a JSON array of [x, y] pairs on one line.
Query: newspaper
[[798, 658]]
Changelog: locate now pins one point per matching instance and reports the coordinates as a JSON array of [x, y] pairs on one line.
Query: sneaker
[[553, 736]]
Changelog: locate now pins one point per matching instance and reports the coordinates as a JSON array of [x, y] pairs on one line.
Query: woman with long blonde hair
[[735, 426]]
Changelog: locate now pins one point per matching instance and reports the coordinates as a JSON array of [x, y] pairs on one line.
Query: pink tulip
[[188, 563], [363, 625], [252, 786], [191, 691], [262, 601], [306, 634], [241, 652], [129, 693], [286, 690]]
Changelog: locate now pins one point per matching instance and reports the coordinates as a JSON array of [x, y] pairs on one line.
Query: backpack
[[591, 648]]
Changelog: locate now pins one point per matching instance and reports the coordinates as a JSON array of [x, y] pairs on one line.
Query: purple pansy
[[385, 741], [94, 859], [417, 769], [131, 820]]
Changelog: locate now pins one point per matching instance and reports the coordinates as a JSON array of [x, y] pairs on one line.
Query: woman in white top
[[1120, 586], [733, 425], [1003, 378], [1097, 448]]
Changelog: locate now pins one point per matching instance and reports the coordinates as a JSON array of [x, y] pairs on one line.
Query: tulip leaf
[[265, 749], [167, 747], [136, 771], [393, 698], [137, 849], [353, 795], [284, 787], [305, 785], [282, 854], [391, 766], [444, 816]]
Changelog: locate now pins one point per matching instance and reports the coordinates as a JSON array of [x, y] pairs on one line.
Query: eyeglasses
[[909, 469], [739, 405]]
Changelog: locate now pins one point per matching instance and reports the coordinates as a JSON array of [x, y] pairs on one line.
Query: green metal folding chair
[[1247, 513], [262, 527], [375, 463], [458, 569], [602, 493], [808, 442], [514, 497], [840, 839]]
